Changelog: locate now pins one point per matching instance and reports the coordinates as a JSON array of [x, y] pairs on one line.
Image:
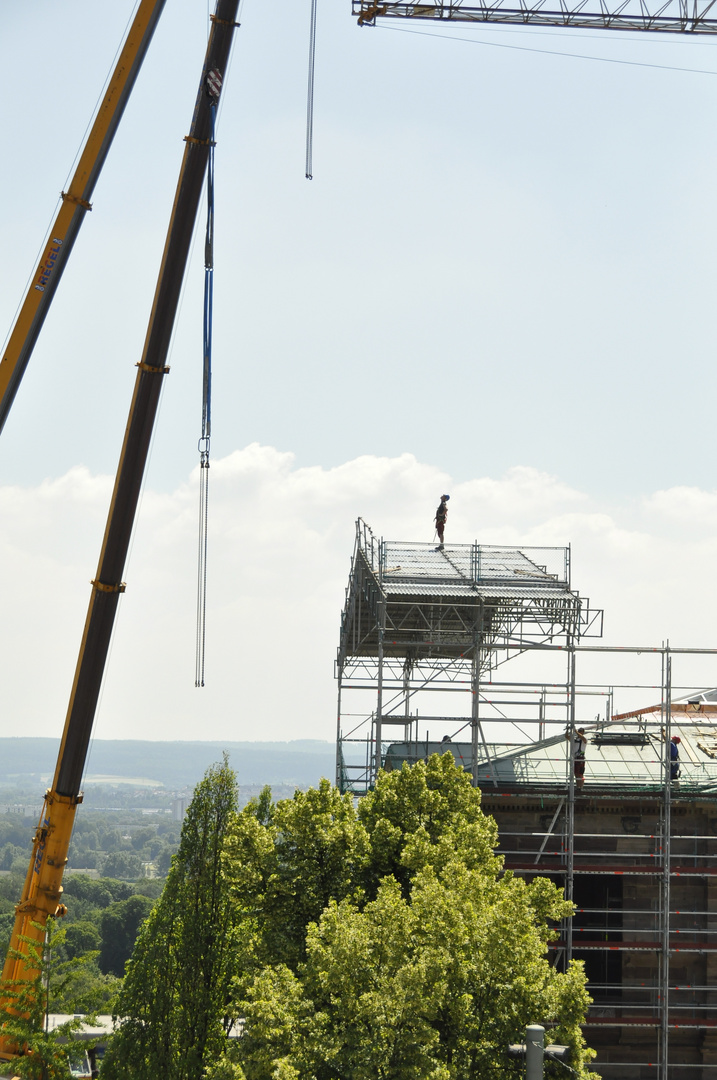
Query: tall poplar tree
[[173, 1008]]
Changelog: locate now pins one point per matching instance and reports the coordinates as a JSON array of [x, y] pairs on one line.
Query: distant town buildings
[[31, 810], [179, 806]]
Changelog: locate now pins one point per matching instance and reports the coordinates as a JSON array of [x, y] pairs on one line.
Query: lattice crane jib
[[673, 17]]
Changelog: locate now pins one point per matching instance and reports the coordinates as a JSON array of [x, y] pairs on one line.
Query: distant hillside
[[174, 765]]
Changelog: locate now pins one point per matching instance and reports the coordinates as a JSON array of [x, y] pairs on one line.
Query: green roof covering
[[630, 755]]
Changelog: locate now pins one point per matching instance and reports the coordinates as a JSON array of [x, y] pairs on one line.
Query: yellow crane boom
[[75, 204], [42, 892]]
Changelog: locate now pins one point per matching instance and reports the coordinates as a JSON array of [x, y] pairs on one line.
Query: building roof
[[620, 754], [100, 1032], [87, 1032]]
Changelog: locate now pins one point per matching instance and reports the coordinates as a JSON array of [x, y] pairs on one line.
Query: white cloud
[[688, 506], [280, 543]]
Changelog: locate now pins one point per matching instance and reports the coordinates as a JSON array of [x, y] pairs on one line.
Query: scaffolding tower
[[424, 626], [634, 848]]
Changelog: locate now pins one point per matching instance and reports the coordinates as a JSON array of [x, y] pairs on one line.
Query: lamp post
[[534, 1051]]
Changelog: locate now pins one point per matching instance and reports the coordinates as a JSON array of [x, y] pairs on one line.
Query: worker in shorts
[[441, 515], [578, 742]]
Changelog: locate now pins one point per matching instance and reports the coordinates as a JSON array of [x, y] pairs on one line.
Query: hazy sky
[[500, 280]]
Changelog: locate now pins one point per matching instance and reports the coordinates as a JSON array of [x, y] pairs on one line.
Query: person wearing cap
[[578, 742], [441, 515], [674, 755]]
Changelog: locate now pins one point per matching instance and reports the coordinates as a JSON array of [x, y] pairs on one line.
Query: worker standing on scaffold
[[674, 755], [440, 519], [578, 741]]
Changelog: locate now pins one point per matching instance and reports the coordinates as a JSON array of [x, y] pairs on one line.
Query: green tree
[[424, 961], [90, 991], [437, 986], [110, 839], [125, 865], [163, 860], [286, 862], [7, 921], [47, 1054], [97, 893], [9, 854], [81, 937], [426, 815], [140, 837], [174, 1003], [119, 927]]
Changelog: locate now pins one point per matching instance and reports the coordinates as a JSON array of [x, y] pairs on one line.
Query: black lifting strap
[[204, 441]]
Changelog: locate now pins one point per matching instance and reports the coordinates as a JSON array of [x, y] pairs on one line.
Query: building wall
[[617, 851]]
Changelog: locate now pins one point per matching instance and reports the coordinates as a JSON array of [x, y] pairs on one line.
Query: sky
[[498, 283]]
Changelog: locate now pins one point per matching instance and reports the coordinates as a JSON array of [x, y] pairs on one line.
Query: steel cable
[[310, 96], [204, 441]]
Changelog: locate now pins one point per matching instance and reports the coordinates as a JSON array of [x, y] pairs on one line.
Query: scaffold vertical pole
[[381, 608], [570, 854], [666, 853], [475, 675], [407, 668], [339, 778], [477, 727], [475, 718], [477, 732]]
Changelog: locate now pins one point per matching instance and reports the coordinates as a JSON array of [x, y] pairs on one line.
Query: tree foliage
[[285, 863], [43, 1055], [174, 1002], [378, 942], [125, 865], [119, 925], [384, 943]]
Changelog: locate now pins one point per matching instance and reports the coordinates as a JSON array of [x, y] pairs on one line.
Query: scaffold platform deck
[[419, 600]]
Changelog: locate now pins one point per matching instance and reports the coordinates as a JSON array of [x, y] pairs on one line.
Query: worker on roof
[[578, 741], [440, 519], [674, 755]]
